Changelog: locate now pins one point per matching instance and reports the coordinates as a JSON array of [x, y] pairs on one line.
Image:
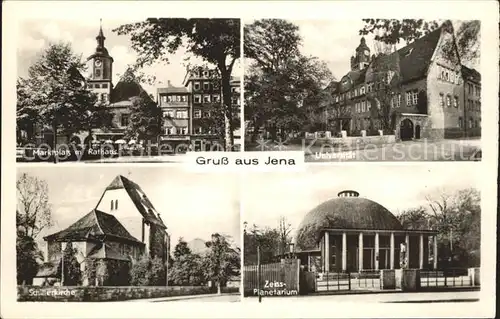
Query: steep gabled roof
[[471, 74], [94, 225], [139, 198], [415, 58], [127, 88]]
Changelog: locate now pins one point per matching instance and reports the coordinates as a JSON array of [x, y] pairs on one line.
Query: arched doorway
[[417, 132], [406, 130]]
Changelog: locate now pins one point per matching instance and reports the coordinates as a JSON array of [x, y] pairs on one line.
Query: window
[[362, 90], [164, 98], [336, 98], [216, 98], [169, 130], [441, 99], [184, 98], [363, 105], [206, 86], [98, 72], [125, 119], [411, 98], [198, 130], [478, 91], [90, 85], [205, 74], [408, 98], [370, 87], [348, 95], [455, 101], [197, 99], [168, 114], [182, 130], [206, 98], [181, 114], [452, 77], [105, 85], [97, 86], [235, 101], [197, 114], [460, 122], [469, 87], [206, 114], [448, 100], [112, 204], [470, 122], [196, 86], [116, 204], [105, 97]]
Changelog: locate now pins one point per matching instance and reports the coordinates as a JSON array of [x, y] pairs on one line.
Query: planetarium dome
[[347, 211]]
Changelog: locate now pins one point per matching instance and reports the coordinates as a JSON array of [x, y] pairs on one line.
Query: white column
[[392, 251], [344, 251], [435, 251], [327, 252], [421, 252], [407, 241], [376, 251], [360, 252]]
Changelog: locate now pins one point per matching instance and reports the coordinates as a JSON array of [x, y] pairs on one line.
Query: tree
[[392, 31], [285, 228], [27, 253], [145, 118], [34, 211], [71, 273], [187, 270], [284, 88], [54, 93], [217, 41], [147, 271], [268, 240], [181, 249], [222, 262], [214, 124]]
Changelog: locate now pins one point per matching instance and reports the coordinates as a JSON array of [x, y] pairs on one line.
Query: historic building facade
[[414, 92], [189, 112], [122, 227], [351, 233]]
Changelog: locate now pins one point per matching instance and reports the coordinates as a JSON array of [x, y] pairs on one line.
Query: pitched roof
[[471, 74], [94, 225], [106, 251], [172, 89], [139, 198], [127, 88]]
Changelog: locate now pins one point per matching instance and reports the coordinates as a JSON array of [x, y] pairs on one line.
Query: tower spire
[[100, 37]]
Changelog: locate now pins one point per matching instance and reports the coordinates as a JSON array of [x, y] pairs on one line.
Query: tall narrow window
[[441, 99], [112, 204], [116, 204], [448, 101]]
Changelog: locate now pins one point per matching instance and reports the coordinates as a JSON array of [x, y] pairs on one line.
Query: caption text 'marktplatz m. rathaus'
[[187, 117]]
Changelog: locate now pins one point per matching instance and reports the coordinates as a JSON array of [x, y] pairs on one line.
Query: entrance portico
[[363, 249]]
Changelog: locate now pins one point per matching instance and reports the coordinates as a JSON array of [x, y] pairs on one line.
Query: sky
[[267, 196], [191, 205], [335, 41], [35, 35]]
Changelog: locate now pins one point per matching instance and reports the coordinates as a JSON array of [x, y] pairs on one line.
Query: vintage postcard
[[83, 230], [249, 159], [375, 90], [118, 98]]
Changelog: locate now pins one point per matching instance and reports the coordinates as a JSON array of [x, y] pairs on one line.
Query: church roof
[[126, 89], [139, 198], [93, 225]]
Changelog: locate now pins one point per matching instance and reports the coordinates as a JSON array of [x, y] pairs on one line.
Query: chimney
[[348, 193], [168, 83]]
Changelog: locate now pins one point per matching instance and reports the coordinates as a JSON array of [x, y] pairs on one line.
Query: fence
[[337, 281], [282, 275], [455, 277]]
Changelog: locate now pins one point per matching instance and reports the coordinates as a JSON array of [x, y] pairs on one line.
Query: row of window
[[368, 88], [447, 100], [472, 123], [448, 75], [103, 97], [174, 98], [176, 130], [473, 105], [205, 74], [473, 89], [97, 85], [207, 98], [178, 114]]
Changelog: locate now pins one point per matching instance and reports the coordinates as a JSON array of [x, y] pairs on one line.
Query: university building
[[419, 91], [123, 226], [191, 112]]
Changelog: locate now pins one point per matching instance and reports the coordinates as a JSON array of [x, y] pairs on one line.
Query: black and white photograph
[[354, 234], [120, 234], [364, 90], [100, 90]]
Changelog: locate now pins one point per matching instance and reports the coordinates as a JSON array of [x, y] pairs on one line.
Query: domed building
[[351, 233]]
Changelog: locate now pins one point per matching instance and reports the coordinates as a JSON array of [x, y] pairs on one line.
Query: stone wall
[[32, 293]]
